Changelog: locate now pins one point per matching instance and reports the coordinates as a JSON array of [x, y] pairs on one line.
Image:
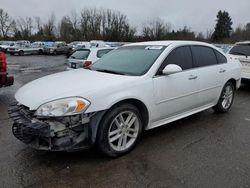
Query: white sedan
[[131, 89]]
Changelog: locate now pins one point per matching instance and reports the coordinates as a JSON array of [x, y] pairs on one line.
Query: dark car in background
[[58, 47]]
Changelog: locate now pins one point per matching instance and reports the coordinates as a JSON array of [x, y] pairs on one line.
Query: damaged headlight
[[63, 107]]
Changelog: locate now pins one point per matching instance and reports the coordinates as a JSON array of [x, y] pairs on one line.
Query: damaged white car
[[131, 89]]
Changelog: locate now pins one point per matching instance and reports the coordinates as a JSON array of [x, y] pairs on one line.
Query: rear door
[[210, 73]]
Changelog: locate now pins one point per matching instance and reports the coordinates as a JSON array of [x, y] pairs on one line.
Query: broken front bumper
[[69, 133]]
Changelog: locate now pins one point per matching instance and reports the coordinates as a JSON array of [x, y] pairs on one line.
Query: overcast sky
[[199, 15]]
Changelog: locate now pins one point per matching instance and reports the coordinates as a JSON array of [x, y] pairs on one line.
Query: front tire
[[119, 130], [226, 98]]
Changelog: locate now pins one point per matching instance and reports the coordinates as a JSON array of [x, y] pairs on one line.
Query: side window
[[221, 58], [100, 53], [203, 56], [181, 56]]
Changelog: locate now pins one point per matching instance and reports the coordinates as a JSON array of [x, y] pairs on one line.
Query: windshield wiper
[[109, 71]]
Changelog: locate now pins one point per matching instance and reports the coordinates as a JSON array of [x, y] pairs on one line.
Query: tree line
[[109, 25]]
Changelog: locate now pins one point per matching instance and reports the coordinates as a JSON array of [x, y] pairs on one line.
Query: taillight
[[3, 66], [86, 64]]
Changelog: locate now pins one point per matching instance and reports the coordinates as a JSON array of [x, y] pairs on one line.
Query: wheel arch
[[233, 81], [139, 105]]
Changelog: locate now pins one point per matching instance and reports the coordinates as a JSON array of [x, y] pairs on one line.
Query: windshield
[[240, 49], [81, 54], [129, 60]]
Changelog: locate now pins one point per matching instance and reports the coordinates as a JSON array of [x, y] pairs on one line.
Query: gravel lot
[[204, 150]]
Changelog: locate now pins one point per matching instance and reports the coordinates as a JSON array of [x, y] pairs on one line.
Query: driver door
[[176, 93]]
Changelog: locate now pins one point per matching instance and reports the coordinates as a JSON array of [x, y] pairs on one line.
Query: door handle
[[222, 71], [192, 77]]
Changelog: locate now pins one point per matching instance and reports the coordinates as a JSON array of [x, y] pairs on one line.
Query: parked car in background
[[134, 88], [84, 57], [22, 42], [4, 45], [58, 47], [5, 80], [224, 47], [48, 44], [79, 45], [116, 44], [26, 49], [97, 43], [241, 52], [82, 45]]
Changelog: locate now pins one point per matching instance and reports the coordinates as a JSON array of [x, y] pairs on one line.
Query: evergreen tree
[[223, 26]]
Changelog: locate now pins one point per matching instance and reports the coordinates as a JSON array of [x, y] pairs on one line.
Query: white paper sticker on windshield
[[153, 47]]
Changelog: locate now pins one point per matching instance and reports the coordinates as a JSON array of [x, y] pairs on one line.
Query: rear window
[[100, 53], [80, 54], [221, 58], [203, 56], [240, 49]]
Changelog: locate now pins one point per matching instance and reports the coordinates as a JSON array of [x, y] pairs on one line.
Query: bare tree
[[5, 23], [156, 29], [25, 26], [50, 28]]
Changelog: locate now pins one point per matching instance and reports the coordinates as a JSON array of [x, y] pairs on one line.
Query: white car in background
[[97, 44], [79, 45], [4, 45], [83, 58], [241, 52], [134, 88], [26, 48]]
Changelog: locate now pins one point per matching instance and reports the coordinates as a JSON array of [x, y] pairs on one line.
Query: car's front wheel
[[226, 98], [120, 130]]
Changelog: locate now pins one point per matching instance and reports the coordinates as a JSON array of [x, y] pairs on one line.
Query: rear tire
[[21, 53], [226, 98], [40, 52], [119, 130], [54, 52]]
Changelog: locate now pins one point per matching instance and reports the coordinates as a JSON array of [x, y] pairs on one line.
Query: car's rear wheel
[[226, 98], [54, 52], [120, 130], [40, 52], [21, 53]]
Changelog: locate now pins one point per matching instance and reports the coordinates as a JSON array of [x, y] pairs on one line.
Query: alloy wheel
[[123, 131]]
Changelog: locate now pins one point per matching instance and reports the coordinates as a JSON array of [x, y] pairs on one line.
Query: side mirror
[[171, 69]]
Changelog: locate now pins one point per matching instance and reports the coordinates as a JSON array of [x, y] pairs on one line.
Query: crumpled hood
[[78, 82]]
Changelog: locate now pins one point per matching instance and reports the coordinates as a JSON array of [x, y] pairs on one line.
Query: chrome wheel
[[227, 97], [123, 131]]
